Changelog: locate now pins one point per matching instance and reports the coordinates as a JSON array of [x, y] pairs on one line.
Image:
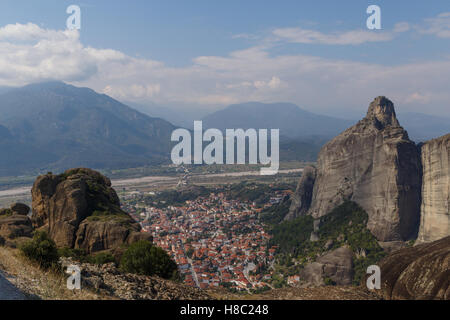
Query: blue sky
[[192, 48], [178, 31]]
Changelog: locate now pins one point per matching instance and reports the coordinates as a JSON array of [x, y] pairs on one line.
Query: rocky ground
[[37, 284], [108, 280], [107, 283], [319, 293], [103, 282]]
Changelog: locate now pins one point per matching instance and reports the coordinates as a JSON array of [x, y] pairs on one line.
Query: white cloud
[[133, 92], [29, 53], [438, 26], [402, 27], [354, 37]]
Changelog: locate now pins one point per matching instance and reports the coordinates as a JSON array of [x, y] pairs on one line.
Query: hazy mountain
[[55, 126], [292, 121], [422, 127], [180, 116]]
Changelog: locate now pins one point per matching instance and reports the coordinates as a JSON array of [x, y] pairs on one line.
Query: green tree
[[143, 258]]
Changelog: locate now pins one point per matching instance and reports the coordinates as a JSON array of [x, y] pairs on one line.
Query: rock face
[[14, 222], [435, 210], [375, 165], [336, 265], [79, 209], [301, 199], [420, 272]]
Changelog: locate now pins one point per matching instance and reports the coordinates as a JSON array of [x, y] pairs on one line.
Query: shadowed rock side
[[435, 210], [420, 272], [79, 209], [375, 165], [301, 199]]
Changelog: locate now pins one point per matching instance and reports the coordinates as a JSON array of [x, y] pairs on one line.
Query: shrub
[[41, 249], [76, 254], [2, 241], [329, 282], [143, 258], [102, 258]]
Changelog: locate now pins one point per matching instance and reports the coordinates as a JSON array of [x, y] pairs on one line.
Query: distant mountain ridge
[[292, 121], [422, 127], [53, 125]]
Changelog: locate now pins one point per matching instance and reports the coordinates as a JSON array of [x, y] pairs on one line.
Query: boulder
[[14, 226], [336, 265], [419, 272], [435, 209], [80, 209], [20, 208]]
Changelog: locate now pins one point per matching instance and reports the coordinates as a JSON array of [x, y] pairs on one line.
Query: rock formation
[[14, 222], [435, 210], [301, 199], [110, 281], [336, 265], [374, 164], [420, 272], [79, 209]]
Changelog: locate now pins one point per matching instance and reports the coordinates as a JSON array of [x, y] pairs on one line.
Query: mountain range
[[54, 126], [292, 121]]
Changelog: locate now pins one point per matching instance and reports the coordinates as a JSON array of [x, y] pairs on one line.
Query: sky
[[205, 55]]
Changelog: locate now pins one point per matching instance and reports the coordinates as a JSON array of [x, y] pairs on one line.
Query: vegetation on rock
[[343, 226]]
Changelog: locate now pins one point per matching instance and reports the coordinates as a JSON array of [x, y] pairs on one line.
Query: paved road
[[8, 291]]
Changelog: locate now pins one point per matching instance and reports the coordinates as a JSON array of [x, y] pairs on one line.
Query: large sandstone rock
[[376, 165], [15, 226], [420, 272], [435, 210], [336, 265], [79, 209], [301, 199]]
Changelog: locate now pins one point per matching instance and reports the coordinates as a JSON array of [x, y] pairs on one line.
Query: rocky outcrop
[[420, 272], [435, 209], [375, 165], [80, 209], [20, 208], [336, 266], [301, 199], [14, 222], [15, 226], [107, 279]]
